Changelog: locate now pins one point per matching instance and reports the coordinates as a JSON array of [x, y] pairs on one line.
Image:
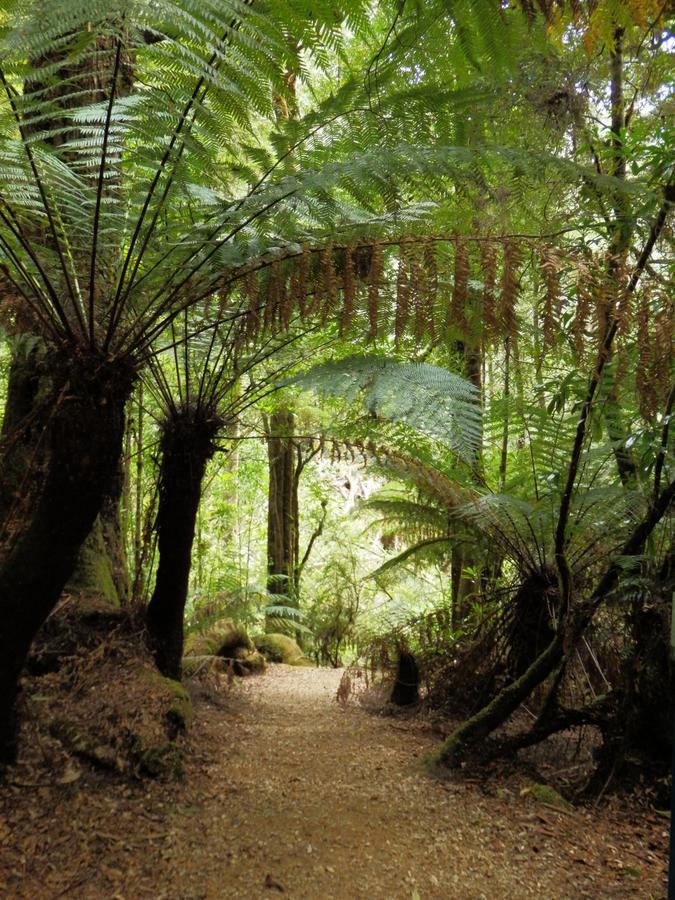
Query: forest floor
[[288, 792]]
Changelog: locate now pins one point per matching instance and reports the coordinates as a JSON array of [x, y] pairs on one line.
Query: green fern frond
[[424, 397]]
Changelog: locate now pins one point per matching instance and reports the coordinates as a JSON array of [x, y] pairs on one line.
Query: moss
[[273, 645], [251, 659], [180, 712], [220, 639], [304, 662], [162, 760], [545, 794], [93, 573]]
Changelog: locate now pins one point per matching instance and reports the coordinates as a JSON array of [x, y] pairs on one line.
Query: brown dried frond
[[488, 262], [506, 317], [331, 282], [299, 281], [430, 264], [662, 347], [285, 299], [419, 287], [460, 285], [363, 258], [250, 291], [273, 295], [348, 289], [319, 282], [604, 305], [402, 291], [374, 283], [16, 316], [550, 268]]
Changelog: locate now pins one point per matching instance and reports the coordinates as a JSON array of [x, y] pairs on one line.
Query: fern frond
[[424, 397]]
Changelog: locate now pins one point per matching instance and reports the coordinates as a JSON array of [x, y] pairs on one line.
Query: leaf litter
[[287, 791]]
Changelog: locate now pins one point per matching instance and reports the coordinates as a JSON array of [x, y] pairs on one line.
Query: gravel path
[[288, 793]]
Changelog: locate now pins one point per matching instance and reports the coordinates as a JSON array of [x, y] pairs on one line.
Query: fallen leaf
[[273, 885]]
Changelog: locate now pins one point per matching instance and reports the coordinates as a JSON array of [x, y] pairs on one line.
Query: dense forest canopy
[[352, 322]]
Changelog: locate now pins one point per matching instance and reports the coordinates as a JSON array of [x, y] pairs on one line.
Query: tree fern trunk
[[84, 429], [187, 446]]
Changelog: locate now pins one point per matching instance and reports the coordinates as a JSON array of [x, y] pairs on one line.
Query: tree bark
[[282, 508], [102, 567], [84, 430], [187, 445], [24, 450]]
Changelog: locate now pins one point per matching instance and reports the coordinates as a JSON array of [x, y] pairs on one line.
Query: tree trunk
[[282, 509], [102, 568], [84, 430], [23, 447], [187, 445]]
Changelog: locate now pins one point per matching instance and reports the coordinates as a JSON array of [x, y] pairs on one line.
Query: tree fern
[[424, 397]]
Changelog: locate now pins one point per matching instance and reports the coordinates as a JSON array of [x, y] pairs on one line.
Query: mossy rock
[[304, 662], [219, 639], [248, 661], [279, 648], [545, 794]]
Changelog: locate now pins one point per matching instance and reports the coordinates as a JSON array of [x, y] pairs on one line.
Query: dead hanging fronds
[[550, 264], [583, 310], [662, 348], [299, 282], [374, 283], [419, 288], [329, 289], [16, 315], [402, 291], [430, 265], [348, 288], [318, 286], [488, 262], [286, 301], [275, 289], [460, 286], [252, 296], [507, 320]]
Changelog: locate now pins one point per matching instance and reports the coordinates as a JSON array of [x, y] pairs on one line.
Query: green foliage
[[426, 398]]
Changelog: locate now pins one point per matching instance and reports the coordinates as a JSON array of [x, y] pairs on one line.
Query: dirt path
[[289, 794]]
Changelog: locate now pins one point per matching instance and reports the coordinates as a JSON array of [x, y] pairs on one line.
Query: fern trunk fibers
[[282, 510], [83, 433], [23, 449], [187, 445]]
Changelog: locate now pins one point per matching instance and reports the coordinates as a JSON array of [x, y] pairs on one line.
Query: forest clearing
[[337, 479]]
